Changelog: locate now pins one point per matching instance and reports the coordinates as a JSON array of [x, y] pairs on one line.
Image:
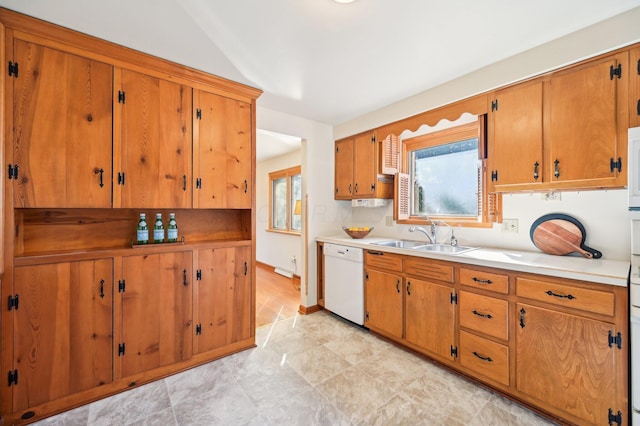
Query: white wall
[[288, 246], [603, 214], [317, 186]]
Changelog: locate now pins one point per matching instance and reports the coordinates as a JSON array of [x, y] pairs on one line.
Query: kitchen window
[[285, 200], [444, 177]]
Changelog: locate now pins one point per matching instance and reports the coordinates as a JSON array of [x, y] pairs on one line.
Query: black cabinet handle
[[482, 281], [246, 186], [356, 188], [638, 107], [409, 288], [484, 358], [535, 171], [246, 268], [562, 296], [398, 286], [102, 289], [350, 189], [184, 182], [480, 314], [522, 312], [101, 171], [556, 168], [184, 277]]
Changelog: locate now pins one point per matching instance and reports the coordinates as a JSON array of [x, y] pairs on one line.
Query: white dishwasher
[[343, 282]]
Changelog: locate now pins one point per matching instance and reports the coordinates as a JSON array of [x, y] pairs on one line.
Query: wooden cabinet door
[[634, 87], [156, 136], [156, 312], [564, 361], [344, 169], [429, 317], [383, 302], [515, 148], [223, 152], [588, 120], [62, 114], [62, 330], [224, 305], [365, 167]]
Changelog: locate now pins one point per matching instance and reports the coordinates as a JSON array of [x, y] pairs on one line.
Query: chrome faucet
[[431, 234]]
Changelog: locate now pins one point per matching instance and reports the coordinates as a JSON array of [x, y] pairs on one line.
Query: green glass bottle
[[172, 229], [143, 230], [158, 230]]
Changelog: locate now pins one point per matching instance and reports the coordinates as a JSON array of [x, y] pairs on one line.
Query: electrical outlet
[[551, 196], [388, 221], [510, 225]]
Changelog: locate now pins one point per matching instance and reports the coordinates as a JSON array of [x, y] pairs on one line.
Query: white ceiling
[[325, 61]]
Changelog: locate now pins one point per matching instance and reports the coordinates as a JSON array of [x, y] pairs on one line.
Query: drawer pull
[[398, 286], [484, 358], [481, 281], [522, 313], [480, 314], [375, 253], [409, 288], [562, 296]]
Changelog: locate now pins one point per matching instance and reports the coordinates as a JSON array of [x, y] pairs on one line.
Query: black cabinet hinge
[[373, 186], [453, 299], [494, 176], [121, 349], [198, 329], [615, 339], [615, 71], [199, 114], [494, 105], [121, 97], [198, 183], [638, 67], [199, 274], [13, 172], [615, 418], [454, 351], [616, 165], [121, 286], [13, 377], [638, 107], [13, 69], [120, 178], [373, 139], [13, 302]]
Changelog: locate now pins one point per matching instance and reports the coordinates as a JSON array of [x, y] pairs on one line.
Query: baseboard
[[306, 310]]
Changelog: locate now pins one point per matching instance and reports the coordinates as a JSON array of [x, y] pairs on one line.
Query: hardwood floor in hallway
[[277, 297]]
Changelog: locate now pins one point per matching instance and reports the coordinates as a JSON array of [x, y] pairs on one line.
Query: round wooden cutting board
[[561, 234]]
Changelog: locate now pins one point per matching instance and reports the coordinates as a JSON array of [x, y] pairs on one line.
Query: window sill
[[456, 223], [282, 231]]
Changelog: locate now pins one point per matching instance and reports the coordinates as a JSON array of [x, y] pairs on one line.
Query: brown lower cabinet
[[62, 330], [556, 345]]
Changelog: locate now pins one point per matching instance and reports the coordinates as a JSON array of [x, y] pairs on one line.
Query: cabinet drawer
[[595, 301], [487, 315], [485, 280], [380, 259], [484, 357], [427, 268]]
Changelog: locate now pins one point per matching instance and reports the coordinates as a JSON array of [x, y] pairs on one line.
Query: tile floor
[[307, 370]]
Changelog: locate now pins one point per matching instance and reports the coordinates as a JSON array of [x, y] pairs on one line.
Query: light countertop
[[612, 272]]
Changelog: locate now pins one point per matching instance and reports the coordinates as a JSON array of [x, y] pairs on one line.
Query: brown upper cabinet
[[62, 128], [358, 169], [154, 148], [515, 136], [634, 87], [222, 149], [577, 117]]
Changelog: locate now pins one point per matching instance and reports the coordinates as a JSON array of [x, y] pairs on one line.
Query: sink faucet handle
[[454, 240]]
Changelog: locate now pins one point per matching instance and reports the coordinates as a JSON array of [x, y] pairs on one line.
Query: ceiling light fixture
[[344, 1]]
